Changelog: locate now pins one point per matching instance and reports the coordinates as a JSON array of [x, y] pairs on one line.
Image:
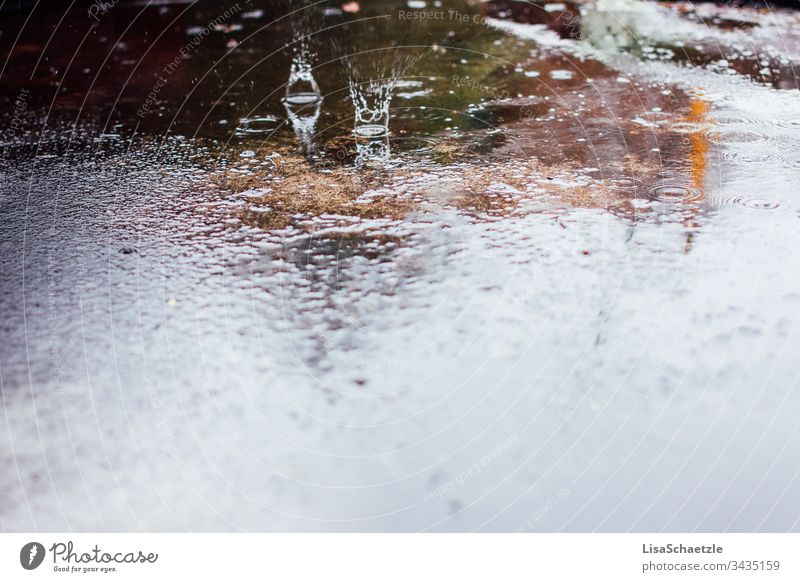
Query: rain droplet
[[673, 192]]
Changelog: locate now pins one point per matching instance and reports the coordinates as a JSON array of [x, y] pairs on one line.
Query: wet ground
[[561, 294]]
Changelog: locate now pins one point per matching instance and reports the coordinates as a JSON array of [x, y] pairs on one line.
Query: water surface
[[559, 294]]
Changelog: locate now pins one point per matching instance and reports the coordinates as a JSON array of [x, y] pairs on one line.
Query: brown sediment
[[295, 192], [293, 187]]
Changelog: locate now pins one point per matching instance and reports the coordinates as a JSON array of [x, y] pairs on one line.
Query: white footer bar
[[400, 557]]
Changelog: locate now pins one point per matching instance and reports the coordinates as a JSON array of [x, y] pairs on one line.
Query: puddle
[[305, 266]]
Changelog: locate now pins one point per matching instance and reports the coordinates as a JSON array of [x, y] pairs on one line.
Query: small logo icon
[[31, 555]]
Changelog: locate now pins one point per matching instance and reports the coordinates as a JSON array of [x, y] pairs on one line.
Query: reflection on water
[[303, 100], [372, 146], [304, 118], [344, 254]]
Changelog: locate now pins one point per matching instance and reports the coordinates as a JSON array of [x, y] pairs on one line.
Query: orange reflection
[[698, 156]]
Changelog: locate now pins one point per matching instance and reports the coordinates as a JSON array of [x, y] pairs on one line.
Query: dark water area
[[95, 72]]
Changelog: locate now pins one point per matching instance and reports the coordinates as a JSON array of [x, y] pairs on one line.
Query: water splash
[[303, 99], [372, 101], [302, 87], [374, 66]]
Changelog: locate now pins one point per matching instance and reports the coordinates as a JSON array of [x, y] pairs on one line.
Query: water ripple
[[672, 191], [749, 202]]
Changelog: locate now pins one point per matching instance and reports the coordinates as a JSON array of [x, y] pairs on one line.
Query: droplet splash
[[674, 192]]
